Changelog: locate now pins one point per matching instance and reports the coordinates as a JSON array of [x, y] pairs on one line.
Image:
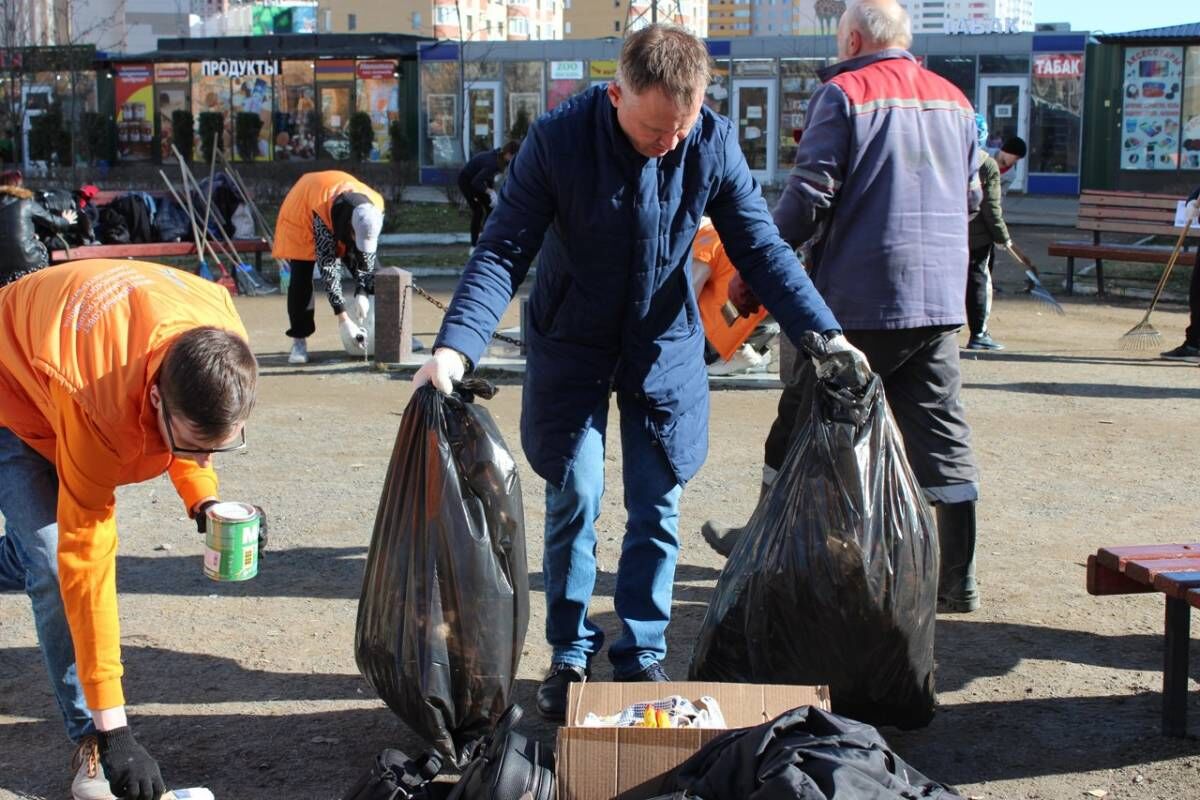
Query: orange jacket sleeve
[[88, 471], [192, 481]]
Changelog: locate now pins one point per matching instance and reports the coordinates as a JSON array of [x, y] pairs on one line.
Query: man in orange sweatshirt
[[111, 372]]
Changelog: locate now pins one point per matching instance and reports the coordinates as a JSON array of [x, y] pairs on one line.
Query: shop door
[[1006, 106], [36, 101], [485, 127], [756, 114], [335, 120]]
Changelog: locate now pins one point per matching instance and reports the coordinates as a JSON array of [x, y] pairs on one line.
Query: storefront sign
[[1058, 65], [978, 27], [603, 70], [172, 73], [237, 69], [1153, 101], [566, 70], [376, 70]]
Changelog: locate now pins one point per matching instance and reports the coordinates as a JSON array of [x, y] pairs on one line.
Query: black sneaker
[[552, 694], [983, 341], [653, 672], [1185, 352]]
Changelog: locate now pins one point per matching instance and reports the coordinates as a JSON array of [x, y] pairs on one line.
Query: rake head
[[1038, 292], [1142, 336]]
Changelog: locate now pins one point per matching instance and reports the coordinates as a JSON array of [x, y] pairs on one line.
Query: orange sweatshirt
[[80, 346], [313, 193]]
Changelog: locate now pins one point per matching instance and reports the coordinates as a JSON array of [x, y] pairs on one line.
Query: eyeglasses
[[162, 401]]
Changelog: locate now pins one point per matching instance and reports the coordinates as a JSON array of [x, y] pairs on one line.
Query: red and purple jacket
[[888, 174]]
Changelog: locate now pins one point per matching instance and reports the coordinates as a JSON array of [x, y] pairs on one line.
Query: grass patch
[[426, 218]]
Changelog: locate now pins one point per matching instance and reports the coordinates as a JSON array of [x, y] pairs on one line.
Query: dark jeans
[[980, 263], [922, 382], [1192, 336], [300, 305], [479, 209]]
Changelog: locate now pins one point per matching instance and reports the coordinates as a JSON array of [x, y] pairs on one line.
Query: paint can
[[231, 543]]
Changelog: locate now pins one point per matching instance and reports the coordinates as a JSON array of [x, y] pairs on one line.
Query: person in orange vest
[[328, 219], [729, 347], [112, 372]]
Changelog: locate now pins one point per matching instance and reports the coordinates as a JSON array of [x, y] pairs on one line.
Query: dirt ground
[[251, 689]]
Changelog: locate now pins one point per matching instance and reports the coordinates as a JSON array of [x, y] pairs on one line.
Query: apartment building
[[454, 20], [596, 19]]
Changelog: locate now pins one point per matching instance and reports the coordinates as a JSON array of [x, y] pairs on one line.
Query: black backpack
[[395, 776], [508, 766]]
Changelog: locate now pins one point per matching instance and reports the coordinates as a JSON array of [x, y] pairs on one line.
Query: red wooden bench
[[1174, 570]]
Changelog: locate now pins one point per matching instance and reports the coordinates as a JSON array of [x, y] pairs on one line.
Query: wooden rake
[[1143, 336]]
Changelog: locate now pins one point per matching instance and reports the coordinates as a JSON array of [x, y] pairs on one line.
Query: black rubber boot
[[957, 592], [723, 539]]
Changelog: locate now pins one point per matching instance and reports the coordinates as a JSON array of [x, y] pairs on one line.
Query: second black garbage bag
[[445, 597], [835, 579]]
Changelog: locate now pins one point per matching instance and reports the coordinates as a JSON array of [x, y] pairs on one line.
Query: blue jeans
[[29, 563], [646, 571]]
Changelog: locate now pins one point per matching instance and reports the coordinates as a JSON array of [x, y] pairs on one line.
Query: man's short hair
[[209, 377], [1015, 145], [881, 28], [667, 58]]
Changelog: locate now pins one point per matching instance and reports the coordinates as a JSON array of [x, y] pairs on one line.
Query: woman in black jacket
[[23, 222]]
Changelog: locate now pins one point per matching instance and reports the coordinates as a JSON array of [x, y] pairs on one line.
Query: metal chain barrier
[[515, 342]]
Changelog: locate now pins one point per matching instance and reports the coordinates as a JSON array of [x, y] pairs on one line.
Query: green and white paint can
[[231, 544]]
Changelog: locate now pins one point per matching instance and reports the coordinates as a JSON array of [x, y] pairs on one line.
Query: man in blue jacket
[[611, 187], [885, 181]]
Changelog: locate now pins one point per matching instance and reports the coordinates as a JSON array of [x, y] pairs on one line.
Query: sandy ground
[[251, 689]]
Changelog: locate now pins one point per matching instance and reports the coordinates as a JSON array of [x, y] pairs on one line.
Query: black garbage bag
[[804, 754], [445, 597], [835, 579]]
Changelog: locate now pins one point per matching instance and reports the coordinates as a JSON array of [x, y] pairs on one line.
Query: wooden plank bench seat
[[151, 250], [1173, 570], [1128, 213]]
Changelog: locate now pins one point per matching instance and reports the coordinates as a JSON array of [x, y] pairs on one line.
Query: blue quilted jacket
[[612, 305]]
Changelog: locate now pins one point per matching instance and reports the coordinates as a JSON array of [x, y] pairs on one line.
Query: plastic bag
[[445, 597], [835, 579]]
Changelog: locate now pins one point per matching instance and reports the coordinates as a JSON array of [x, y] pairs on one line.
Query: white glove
[[353, 335], [362, 307], [840, 344], [1191, 209], [491, 193], [442, 370]]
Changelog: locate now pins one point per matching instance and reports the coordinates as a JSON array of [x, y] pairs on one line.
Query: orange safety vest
[[315, 191], [725, 338], [83, 343]]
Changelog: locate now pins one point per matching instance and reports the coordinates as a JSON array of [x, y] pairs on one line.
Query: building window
[[351, 21], [444, 15], [566, 27], [518, 26], [416, 21], [616, 26]]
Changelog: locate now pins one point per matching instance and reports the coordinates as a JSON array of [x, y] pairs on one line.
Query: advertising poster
[[1189, 157], [1153, 100], [379, 95], [210, 94], [296, 120], [134, 88], [171, 93]]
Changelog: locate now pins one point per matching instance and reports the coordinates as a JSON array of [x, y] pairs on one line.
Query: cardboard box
[[632, 763]]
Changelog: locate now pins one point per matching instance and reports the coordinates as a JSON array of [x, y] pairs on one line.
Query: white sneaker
[[745, 361], [299, 354], [89, 782]]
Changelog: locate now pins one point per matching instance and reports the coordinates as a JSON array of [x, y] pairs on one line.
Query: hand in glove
[[1192, 210], [353, 335], [742, 296], [132, 774], [492, 198], [202, 523], [444, 368], [362, 307], [838, 344]]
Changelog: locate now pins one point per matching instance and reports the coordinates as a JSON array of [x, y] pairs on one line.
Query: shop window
[[524, 93], [1152, 106], [252, 96], [797, 82], [959, 70], [210, 94], [1189, 157], [716, 96], [171, 83], [296, 120], [1056, 106], [377, 92], [440, 93], [1004, 65]]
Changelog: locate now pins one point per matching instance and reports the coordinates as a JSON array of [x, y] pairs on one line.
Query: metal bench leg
[[1070, 274], [1099, 278], [1175, 668]]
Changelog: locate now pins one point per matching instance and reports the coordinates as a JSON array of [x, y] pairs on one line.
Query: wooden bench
[[1174, 570], [151, 250], [1128, 213]]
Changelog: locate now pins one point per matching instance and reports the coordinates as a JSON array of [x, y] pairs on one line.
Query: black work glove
[[132, 774], [202, 523]]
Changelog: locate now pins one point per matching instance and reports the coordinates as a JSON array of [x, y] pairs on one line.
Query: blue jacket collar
[[858, 62]]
